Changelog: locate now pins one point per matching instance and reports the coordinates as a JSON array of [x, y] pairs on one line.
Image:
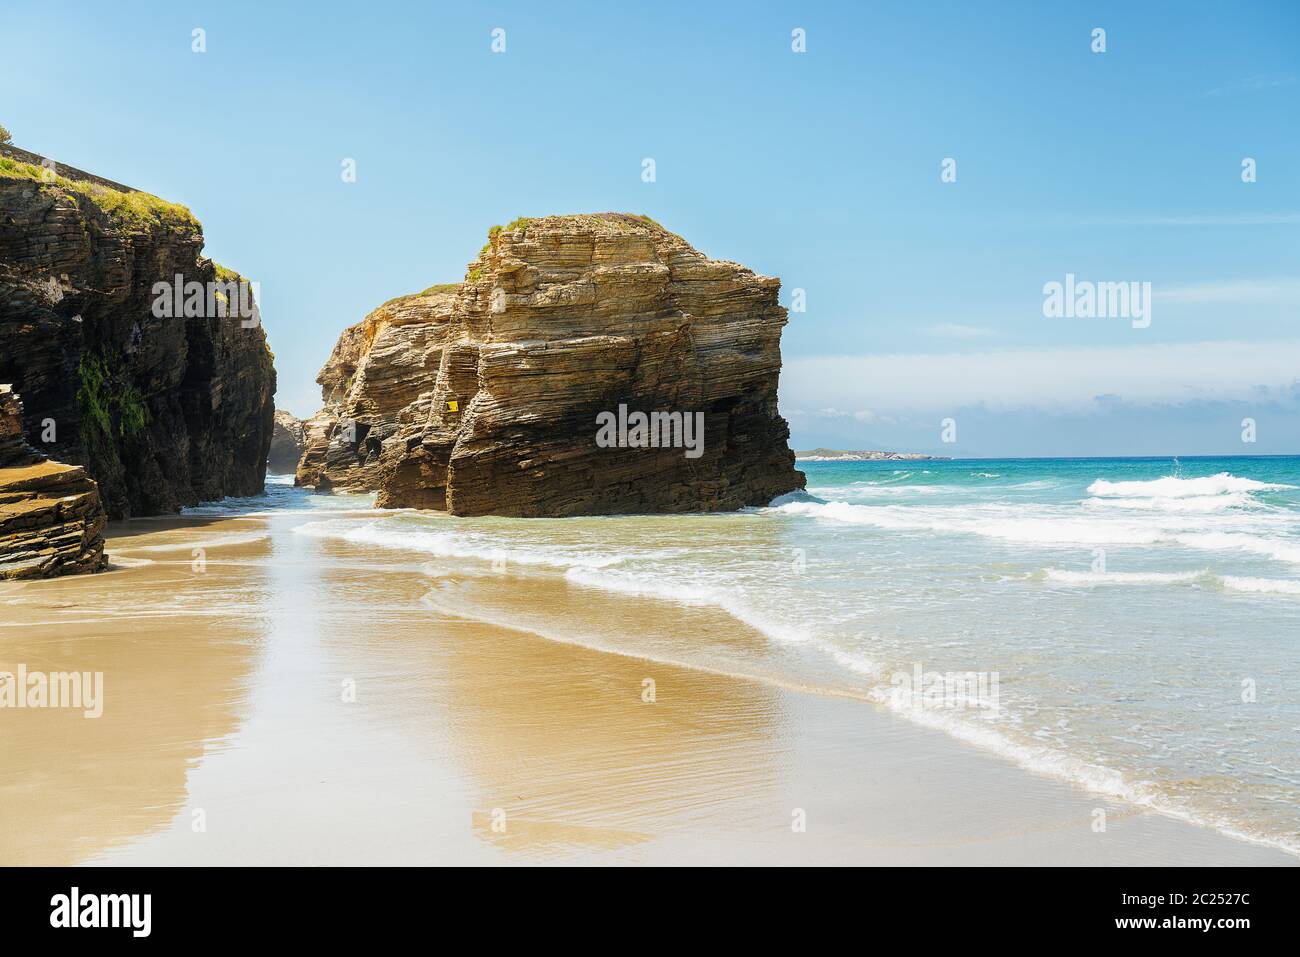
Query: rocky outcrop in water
[[51, 518], [371, 385], [587, 365], [286, 443], [163, 411]]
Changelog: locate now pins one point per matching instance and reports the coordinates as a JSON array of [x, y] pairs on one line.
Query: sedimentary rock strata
[[51, 518], [286, 443], [371, 384], [488, 397], [162, 410]]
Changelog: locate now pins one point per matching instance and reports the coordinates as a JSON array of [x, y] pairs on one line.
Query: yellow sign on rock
[[452, 406]]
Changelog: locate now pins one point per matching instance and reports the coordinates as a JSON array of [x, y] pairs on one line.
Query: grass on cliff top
[[628, 220], [129, 210], [435, 288], [605, 220], [225, 273]]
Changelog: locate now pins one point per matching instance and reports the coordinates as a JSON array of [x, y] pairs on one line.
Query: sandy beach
[[278, 698]]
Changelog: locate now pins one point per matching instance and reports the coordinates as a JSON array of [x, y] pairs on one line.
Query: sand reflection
[[174, 665]]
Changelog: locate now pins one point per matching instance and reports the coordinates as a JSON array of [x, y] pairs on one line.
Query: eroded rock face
[[162, 412], [488, 399], [51, 517], [286, 443], [371, 383]]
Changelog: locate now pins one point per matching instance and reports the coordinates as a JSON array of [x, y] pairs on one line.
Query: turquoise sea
[[1141, 617]]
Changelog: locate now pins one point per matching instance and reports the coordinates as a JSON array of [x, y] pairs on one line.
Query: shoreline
[[230, 705]]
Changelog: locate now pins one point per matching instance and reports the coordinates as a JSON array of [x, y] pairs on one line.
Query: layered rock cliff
[[286, 443], [163, 411], [513, 393], [51, 517], [371, 384]]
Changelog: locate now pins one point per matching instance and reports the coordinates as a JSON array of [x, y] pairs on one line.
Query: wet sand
[[284, 699]]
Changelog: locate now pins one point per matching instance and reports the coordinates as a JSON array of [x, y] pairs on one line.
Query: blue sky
[[924, 298]]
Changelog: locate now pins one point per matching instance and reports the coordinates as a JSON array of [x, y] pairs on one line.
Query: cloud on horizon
[[1061, 380], [1234, 292]]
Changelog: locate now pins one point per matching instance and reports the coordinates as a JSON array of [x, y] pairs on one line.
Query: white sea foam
[[1171, 487], [211, 541], [1054, 526], [1007, 523], [1067, 577], [1261, 586], [832, 611], [728, 599], [1190, 505], [1057, 763], [1281, 550], [121, 561], [454, 544], [1235, 583]]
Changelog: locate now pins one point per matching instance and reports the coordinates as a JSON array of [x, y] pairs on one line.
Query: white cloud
[[1252, 84], [862, 415], [1061, 379], [1285, 291]]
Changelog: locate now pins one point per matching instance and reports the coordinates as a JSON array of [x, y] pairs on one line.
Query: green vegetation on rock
[[92, 391], [132, 210], [432, 290], [133, 417], [99, 403]]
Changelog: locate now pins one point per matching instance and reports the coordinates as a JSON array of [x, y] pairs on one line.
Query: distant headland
[[840, 455]]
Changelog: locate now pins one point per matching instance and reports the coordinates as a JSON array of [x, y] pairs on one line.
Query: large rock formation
[[51, 518], [378, 370], [286, 443], [488, 398], [162, 411]]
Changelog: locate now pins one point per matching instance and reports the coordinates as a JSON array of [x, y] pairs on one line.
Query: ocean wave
[[1189, 505], [727, 599], [758, 605], [1071, 769], [874, 490], [1280, 550], [453, 544], [1261, 586], [211, 541], [1233, 583], [1000, 522], [1066, 577], [798, 495], [1053, 528], [1171, 487]]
